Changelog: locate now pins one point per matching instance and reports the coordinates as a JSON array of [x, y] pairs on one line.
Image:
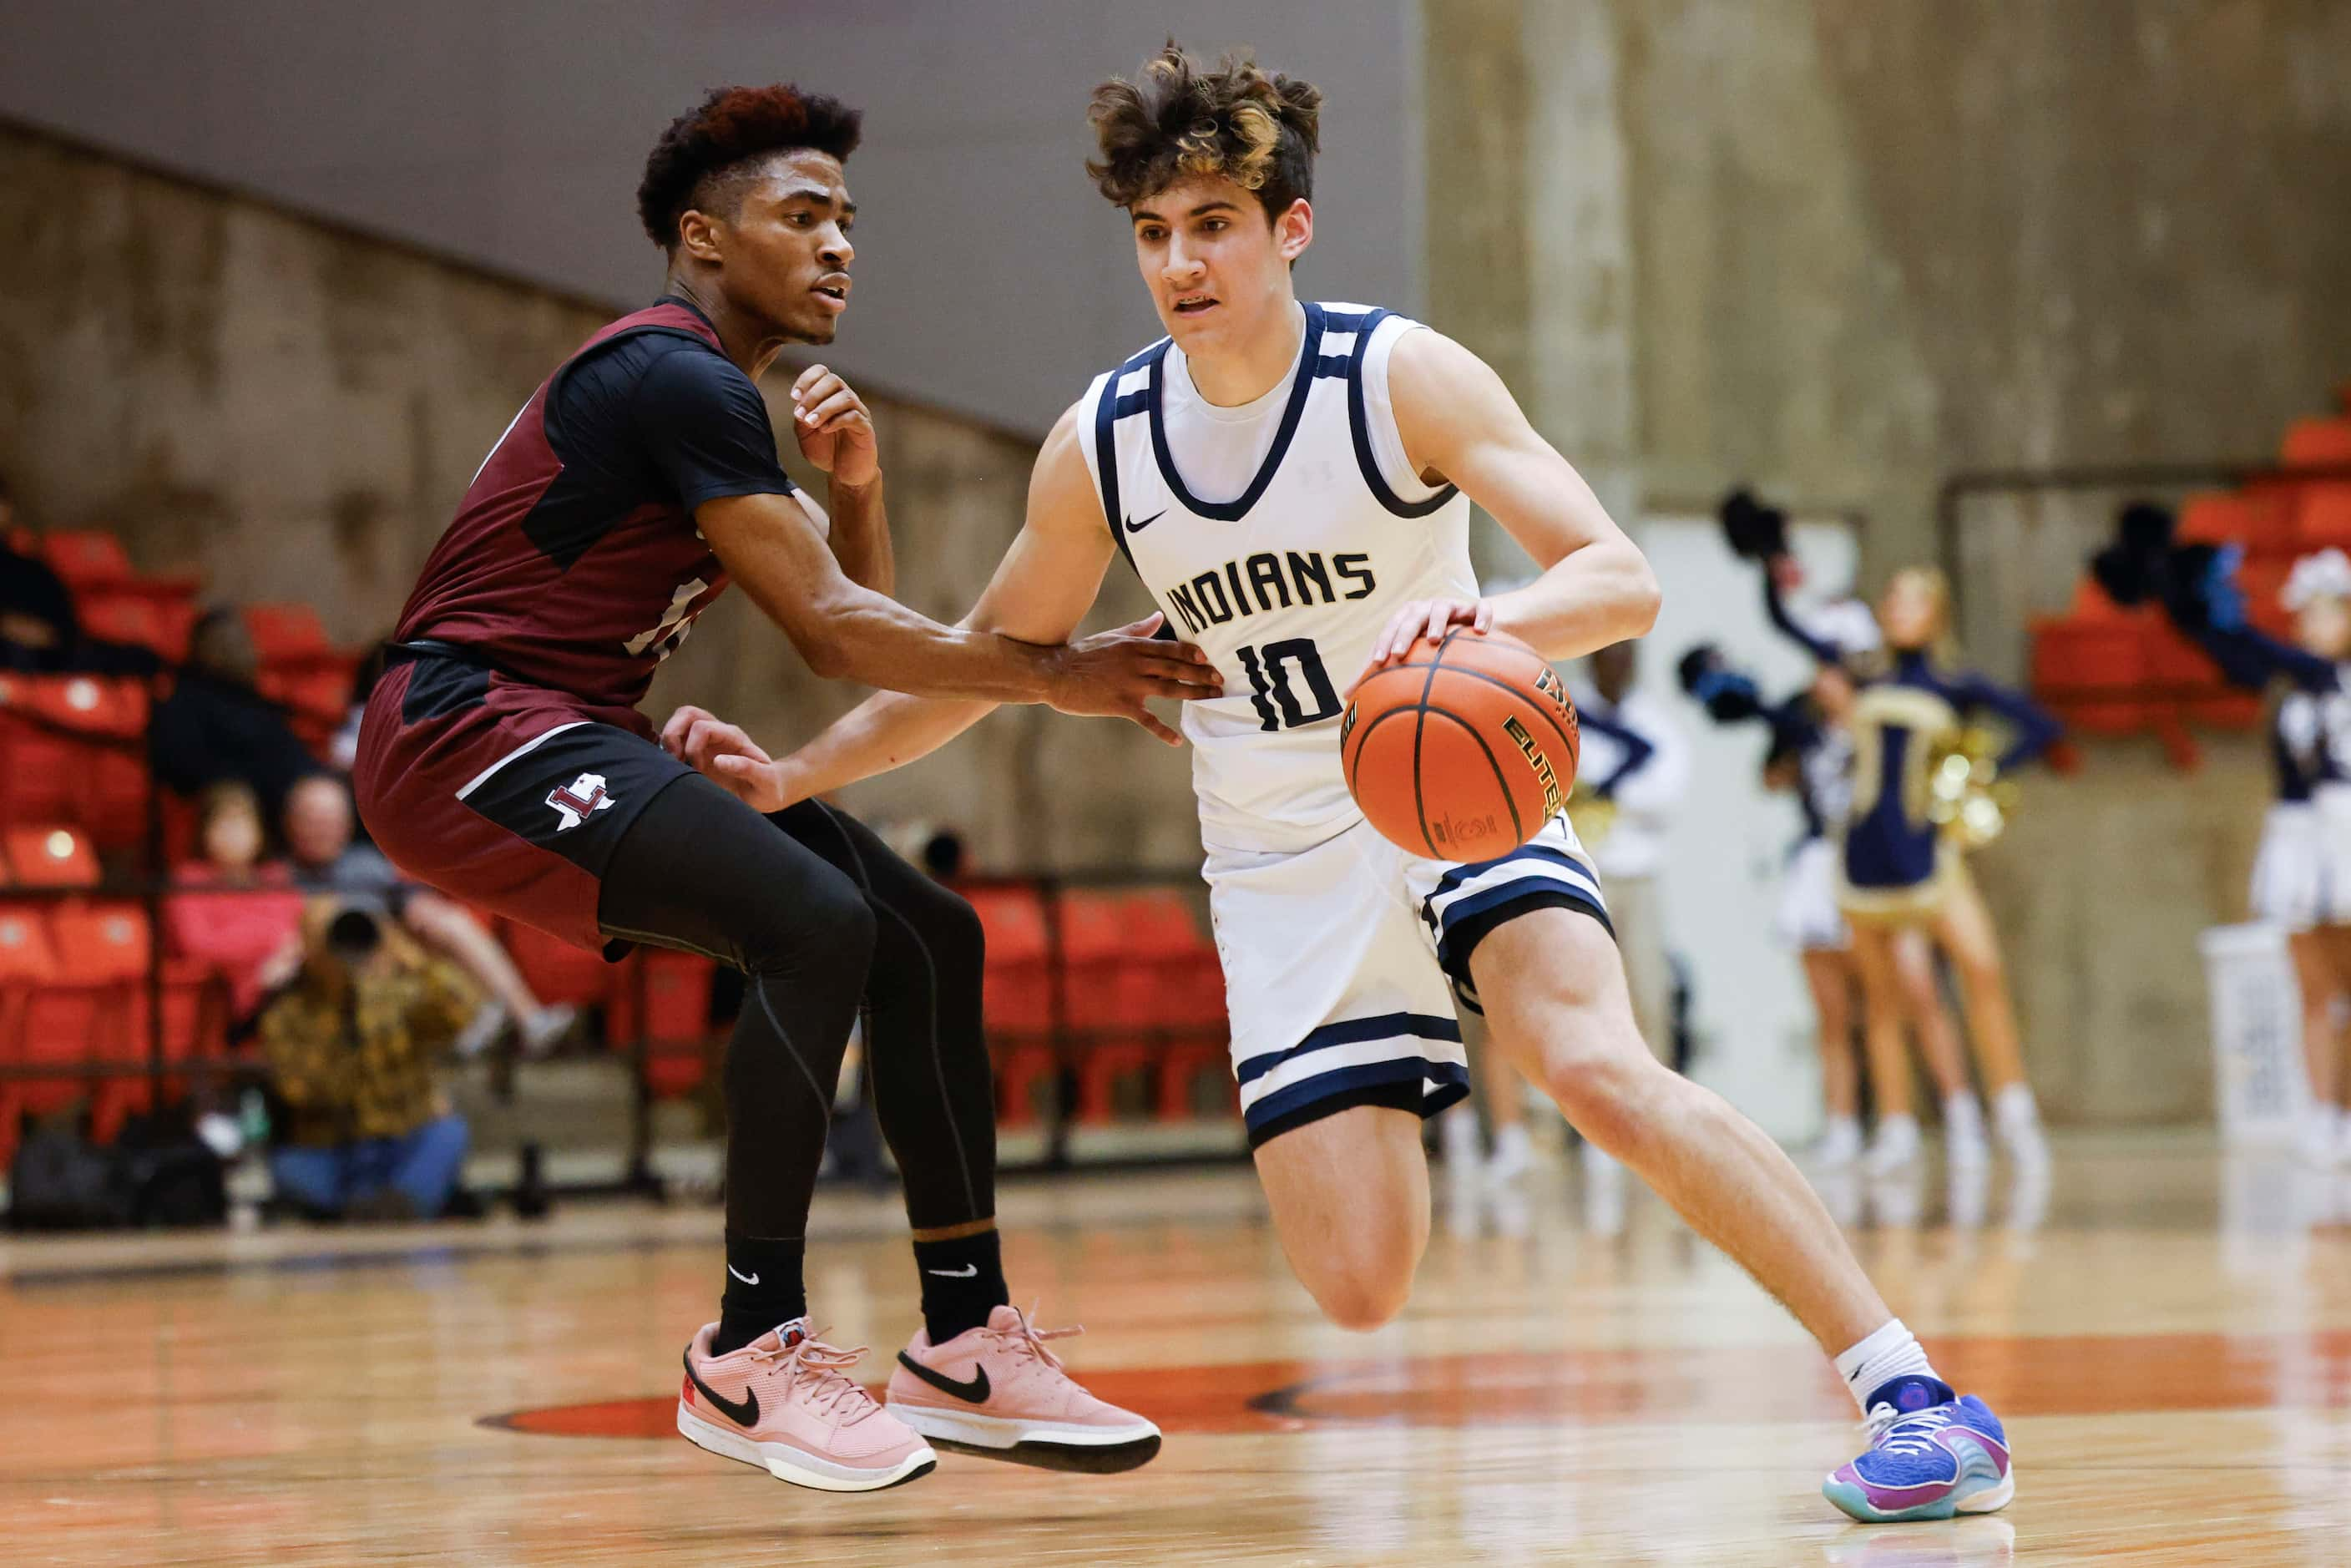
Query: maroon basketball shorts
[[508, 795]]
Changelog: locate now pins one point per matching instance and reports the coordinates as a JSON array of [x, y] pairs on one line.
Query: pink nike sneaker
[[998, 1389], [785, 1402]]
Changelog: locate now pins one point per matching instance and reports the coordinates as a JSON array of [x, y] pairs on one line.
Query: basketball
[[1465, 749]]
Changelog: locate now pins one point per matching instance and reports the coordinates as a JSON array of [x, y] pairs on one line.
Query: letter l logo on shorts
[[575, 802]]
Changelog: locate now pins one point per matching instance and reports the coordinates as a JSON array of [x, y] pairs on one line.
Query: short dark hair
[[1259, 131], [719, 137]]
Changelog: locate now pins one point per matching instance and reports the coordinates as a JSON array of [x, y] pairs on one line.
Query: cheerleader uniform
[[1894, 866], [2301, 874], [1809, 919]]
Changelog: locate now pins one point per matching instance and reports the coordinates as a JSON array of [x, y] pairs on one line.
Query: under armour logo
[[577, 801]]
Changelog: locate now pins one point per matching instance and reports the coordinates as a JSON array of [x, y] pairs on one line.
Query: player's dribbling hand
[[1109, 674], [1423, 617], [835, 431]]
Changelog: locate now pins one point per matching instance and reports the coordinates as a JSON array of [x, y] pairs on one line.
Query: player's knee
[[951, 927], [826, 928], [1363, 1295], [1600, 1072]]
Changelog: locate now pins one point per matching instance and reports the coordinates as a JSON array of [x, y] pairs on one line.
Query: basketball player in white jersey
[[1293, 482]]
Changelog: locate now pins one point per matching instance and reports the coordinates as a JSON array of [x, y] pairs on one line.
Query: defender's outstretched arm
[[1043, 588]]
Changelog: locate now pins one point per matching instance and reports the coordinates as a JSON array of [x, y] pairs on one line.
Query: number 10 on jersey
[[1270, 666]]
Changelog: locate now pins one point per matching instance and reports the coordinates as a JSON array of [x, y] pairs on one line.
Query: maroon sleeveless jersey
[[574, 562]]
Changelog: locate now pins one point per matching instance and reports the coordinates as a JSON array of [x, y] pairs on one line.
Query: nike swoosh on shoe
[[743, 1412], [973, 1392]]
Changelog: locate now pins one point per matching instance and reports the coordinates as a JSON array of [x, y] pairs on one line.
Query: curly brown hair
[[704, 149], [1259, 131]]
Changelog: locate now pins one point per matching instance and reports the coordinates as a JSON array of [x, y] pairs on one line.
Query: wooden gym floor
[[2167, 1332]]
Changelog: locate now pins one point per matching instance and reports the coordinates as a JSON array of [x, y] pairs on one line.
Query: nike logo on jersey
[[743, 1412], [1135, 527], [1266, 583], [974, 1392], [968, 1272], [746, 1278]]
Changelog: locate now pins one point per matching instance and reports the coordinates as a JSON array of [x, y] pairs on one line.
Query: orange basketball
[[1464, 750]]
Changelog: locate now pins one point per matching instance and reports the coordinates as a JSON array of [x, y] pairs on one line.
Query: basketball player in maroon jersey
[[503, 759]]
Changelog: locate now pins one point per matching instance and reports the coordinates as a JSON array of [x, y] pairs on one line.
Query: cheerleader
[[1896, 872], [1810, 757], [2301, 874]]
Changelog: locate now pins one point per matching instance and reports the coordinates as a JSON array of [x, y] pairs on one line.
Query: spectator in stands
[[943, 855], [243, 919], [320, 822], [216, 726], [37, 618], [350, 1045]]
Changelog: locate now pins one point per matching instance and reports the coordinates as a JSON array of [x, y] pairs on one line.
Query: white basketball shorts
[[1344, 964]]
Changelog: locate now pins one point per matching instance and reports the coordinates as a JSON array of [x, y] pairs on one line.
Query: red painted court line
[[2064, 1376]]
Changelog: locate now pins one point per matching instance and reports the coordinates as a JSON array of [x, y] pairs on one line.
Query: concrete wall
[[1903, 240], [992, 279], [1843, 250], [295, 410]]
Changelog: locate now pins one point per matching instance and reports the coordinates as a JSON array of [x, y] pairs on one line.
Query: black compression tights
[[821, 918]]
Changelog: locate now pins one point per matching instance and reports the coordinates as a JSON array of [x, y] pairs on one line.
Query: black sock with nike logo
[[763, 1289], [963, 1282]]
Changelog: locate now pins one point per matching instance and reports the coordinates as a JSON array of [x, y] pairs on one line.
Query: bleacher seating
[[2110, 671], [73, 994], [1121, 985]]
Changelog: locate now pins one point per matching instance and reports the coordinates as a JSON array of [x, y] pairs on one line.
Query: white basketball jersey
[[1279, 537]]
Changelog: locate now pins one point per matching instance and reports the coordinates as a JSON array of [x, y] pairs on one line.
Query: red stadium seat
[[2261, 519], [2317, 444], [49, 855], [2322, 517], [284, 631], [1016, 984], [195, 1028], [92, 1009], [100, 942], [87, 558], [1106, 992], [27, 963], [1020, 1069], [556, 970], [77, 1013], [2093, 673], [71, 749], [2263, 583], [674, 1019], [25, 954], [122, 618]]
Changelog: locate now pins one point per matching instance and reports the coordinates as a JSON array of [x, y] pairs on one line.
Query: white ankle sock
[[1962, 1116], [1892, 1352], [2015, 1107]]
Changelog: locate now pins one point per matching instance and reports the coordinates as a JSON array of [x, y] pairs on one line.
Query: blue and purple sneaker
[[1932, 1455]]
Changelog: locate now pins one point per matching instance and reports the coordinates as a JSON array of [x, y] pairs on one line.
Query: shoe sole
[[1050, 1445], [1854, 1503], [796, 1466]]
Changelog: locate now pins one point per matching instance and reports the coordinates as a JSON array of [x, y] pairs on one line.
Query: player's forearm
[[855, 634], [1600, 594], [861, 537], [887, 730]]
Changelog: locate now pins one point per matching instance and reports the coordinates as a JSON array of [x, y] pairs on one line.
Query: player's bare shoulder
[[1440, 392], [1061, 495]]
